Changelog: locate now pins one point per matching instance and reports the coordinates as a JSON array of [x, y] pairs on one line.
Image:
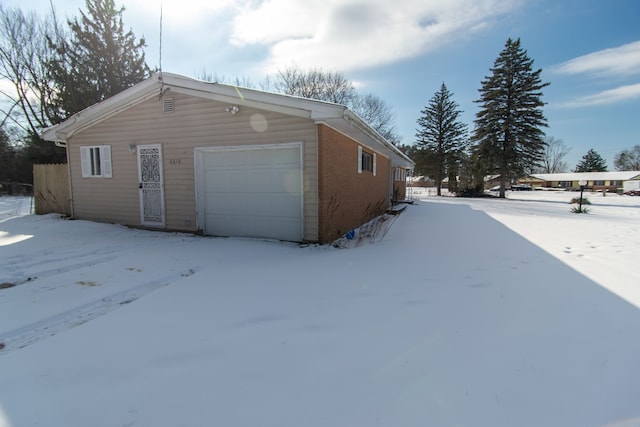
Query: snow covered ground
[[468, 313]]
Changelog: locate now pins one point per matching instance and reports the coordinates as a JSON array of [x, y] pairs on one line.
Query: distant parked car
[[521, 187], [632, 193]]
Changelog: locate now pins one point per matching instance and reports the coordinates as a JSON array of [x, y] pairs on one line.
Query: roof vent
[[167, 105]]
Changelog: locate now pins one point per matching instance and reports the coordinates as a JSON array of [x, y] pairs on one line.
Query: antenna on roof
[[162, 88], [160, 59]]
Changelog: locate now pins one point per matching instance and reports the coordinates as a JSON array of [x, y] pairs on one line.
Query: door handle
[[140, 186]]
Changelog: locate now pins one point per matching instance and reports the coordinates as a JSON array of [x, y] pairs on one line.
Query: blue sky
[[402, 50]]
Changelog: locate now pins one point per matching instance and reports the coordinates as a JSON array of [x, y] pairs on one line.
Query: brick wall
[[347, 199]]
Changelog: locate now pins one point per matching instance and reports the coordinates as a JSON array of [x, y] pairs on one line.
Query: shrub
[[579, 209], [576, 200]]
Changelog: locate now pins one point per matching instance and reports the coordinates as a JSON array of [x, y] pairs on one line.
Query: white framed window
[[96, 161], [401, 174], [366, 161]]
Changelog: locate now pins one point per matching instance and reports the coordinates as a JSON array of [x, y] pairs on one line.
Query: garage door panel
[[226, 160], [254, 204], [275, 181], [226, 203], [260, 158], [231, 225], [289, 158], [254, 193], [227, 181]]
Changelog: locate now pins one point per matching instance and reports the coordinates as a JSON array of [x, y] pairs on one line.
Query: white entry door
[[150, 184]]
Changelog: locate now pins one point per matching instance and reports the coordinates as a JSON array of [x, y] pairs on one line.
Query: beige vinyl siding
[[195, 123]]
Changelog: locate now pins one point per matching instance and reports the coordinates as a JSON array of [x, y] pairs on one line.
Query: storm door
[[150, 184]]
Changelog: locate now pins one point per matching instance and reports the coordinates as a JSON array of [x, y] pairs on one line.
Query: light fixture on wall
[[233, 109], [132, 148]]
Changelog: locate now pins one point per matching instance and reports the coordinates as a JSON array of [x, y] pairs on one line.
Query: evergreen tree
[[7, 156], [442, 136], [99, 59], [508, 135], [628, 160], [591, 162]]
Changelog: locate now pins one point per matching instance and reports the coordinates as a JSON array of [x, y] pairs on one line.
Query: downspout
[[63, 144]]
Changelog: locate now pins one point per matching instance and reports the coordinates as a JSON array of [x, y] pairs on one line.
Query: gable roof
[[336, 116], [588, 176]]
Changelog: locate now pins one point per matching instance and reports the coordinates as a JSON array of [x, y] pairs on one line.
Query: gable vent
[[167, 105]]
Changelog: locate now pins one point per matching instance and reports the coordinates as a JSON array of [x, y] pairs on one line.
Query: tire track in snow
[[61, 270], [37, 331], [16, 267]]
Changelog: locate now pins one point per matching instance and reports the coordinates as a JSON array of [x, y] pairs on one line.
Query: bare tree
[[315, 84], [335, 87], [378, 114], [24, 55], [554, 153], [628, 159], [243, 81]]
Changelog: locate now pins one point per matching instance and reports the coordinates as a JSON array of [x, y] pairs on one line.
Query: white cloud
[[607, 97], [622, 60], [355, 34]]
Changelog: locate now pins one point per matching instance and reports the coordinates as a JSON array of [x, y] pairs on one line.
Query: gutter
[[353, 118]]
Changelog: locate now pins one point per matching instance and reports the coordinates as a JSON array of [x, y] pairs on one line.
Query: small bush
[[578, 209], [576, 200]]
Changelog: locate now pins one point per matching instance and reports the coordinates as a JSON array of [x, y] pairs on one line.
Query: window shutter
[[85, 161], [374, 164], [105, 158], [359, 159]]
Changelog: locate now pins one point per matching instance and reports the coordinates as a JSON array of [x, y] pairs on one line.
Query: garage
[[251, 191]]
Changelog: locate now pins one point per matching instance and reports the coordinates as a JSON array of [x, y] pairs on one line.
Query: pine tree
[[442, 136], [98, 61], [508, 135], [7, 155], [591, 162]]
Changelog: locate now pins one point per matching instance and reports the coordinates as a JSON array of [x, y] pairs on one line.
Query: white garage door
[[253, 192]]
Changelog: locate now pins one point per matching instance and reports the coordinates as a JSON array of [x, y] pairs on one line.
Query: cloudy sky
[[402, 50]]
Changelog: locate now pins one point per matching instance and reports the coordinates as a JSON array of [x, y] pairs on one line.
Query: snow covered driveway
[[452, 320]]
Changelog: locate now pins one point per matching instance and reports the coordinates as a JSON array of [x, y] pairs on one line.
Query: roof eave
[[102, 110], [377, 141], [336, 115]]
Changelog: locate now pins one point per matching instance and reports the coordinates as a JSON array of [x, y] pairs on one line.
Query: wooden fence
[[51, 189]]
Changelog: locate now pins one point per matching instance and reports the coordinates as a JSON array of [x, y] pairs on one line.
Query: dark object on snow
[[521, 187]]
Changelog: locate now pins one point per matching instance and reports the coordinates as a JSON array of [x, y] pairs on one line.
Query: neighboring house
[[180, 154], [491, 181], [595, 181], [420, 181]]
